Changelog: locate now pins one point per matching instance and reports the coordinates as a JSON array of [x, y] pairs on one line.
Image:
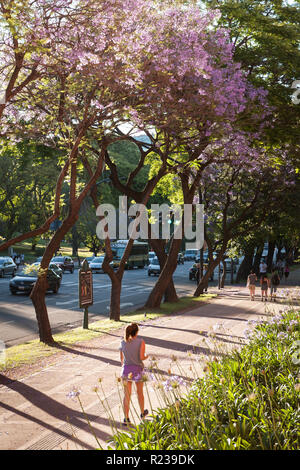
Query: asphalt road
[[17, 316]]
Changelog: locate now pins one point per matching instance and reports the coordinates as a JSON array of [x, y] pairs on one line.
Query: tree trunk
[[158, 291], [271, 249], [115, 309], [159, 248], [257, 258], [204, 281], [246, 266], [40, 288], [171, 294], [38, 300], [75, 241], [289, 254], [280, 246]]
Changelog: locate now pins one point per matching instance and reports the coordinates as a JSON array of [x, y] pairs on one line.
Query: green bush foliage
[[248, 400]]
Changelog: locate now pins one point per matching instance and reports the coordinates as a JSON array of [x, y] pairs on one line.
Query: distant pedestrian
[[286, 271], [275, 281], [280, 266], [265, 284], [263, 268], [252, 278], [132, 355], [18, 261], [22, 259]]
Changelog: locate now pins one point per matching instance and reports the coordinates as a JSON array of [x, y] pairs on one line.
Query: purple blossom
[[74, 393]]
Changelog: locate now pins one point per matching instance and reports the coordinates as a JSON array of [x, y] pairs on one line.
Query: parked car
[[190, 255], [7, 266], [52, 266], [64, 262], [96, 264], [25, 281], [180, 258], [89, 259], [154, 267]]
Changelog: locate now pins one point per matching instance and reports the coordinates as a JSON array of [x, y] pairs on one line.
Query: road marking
[[69, 284], [128, 304], [100, 287], [123, 297], [136, 288], [67, 302]]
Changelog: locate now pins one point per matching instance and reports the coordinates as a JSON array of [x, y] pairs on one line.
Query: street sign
[[85, 290]]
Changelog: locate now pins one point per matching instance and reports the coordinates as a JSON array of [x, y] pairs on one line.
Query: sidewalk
[[36, 414]]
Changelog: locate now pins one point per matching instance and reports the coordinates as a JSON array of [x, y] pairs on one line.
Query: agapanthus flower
[[74, 393]]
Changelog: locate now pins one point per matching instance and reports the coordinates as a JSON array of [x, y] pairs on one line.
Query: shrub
[[248, 400]]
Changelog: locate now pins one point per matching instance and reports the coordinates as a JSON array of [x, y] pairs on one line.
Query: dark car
[[64, 262], [154, 267], [180, 258], [7, 266], [25, 281]]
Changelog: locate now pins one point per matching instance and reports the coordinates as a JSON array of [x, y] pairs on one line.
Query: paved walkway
[[35, 412]]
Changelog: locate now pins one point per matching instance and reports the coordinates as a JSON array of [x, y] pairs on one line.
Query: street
[[17, 316]]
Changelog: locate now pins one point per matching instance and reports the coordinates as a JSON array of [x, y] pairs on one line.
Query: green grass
[[33, 351], [30, 255]]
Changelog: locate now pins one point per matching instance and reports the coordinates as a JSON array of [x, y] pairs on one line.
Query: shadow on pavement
[[55, 409]]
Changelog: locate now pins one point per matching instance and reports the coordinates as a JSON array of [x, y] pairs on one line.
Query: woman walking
[[265, 284], [252, 278], [132, 355]]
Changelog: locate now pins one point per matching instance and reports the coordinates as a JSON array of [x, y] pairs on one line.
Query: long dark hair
[[131, 331]]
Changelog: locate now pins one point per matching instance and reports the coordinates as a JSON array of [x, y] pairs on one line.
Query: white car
[[154, 267], [89, 260], [7, 266], [96, 264]]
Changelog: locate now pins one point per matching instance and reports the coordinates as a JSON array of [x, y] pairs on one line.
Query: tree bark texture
[[158, 246], [245, 266]]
